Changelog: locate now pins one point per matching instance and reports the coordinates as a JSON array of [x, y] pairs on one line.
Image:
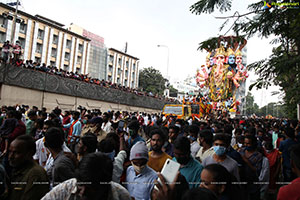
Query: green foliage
[[213, 43], [282, 68], [251, 106], [209, 45], [151, 80], [208, 6], [274, 109]]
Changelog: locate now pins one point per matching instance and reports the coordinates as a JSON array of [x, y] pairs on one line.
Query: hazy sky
[[146, 23]]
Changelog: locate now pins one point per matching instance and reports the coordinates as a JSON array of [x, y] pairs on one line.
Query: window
[[80, 48], [38, 48], [186, 112], [125, 82], [68, 45], [2, 37], [55, 39], [195, 109], [110, 69], [40, 34], [23, 27], [78, 59], [133, 67], [119, 72], [118, 80], [120, 61], [111, 59], [67, 56], [66, 67], [177, 110], [52, 63], [37, 59], [3, 21], [126, 73], [53, 52], [127, 64], [22, 42], [109, 78]]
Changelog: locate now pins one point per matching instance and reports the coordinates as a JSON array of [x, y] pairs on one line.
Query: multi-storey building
[[45, 41], [122, 68], [97, 53]]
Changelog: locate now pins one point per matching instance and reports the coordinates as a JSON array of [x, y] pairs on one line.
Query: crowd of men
[[119, 155], [42, 67]]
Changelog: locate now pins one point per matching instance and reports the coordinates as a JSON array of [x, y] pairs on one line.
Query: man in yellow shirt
[[157, 157]]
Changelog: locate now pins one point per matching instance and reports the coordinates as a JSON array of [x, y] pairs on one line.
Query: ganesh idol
[[240, 67], [220, 77], [240, 76], [231, 61], [202, 76], [209, 62]]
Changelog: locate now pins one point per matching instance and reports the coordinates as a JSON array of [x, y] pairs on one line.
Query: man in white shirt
[[41, 154], [106, 125], [192, 136], [205, 141]]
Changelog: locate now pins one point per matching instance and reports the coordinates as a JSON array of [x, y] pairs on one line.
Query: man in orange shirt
[[157, 157]]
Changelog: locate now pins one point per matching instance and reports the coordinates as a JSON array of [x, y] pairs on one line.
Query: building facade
[[122, 68], [45, 41], [97, 53]]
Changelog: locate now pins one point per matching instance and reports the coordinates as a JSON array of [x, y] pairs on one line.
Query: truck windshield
[[176, 110], [195, 109]]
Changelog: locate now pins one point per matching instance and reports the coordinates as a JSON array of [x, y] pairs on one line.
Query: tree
[[152, 81], [282, 68], [251, 106]]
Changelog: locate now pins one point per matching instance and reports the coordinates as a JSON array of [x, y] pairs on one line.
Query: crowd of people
[[119, 155], [42, 67]]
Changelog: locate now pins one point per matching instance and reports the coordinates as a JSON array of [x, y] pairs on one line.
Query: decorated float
[[222, 79]]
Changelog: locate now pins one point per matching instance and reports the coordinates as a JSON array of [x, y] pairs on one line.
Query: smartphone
[[170, 170]]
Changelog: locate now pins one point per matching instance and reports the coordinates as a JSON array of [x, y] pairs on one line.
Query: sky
[[144, 24]]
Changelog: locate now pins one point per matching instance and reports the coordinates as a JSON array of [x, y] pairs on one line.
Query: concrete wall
[[12, 95], [25, 86]]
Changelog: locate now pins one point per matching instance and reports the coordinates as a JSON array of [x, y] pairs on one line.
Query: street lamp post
[[167, 58], [166, 91], [14, 24]]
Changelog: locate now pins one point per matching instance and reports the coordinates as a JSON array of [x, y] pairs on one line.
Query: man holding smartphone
[[157, 157], [139, 177]]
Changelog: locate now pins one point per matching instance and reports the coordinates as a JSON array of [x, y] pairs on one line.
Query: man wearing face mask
[[220, 145], [139, 177], [189, 167], [95, 128], [193, 135], [86, 124]]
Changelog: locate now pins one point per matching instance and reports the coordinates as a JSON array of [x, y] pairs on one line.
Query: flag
[[13, 3]]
